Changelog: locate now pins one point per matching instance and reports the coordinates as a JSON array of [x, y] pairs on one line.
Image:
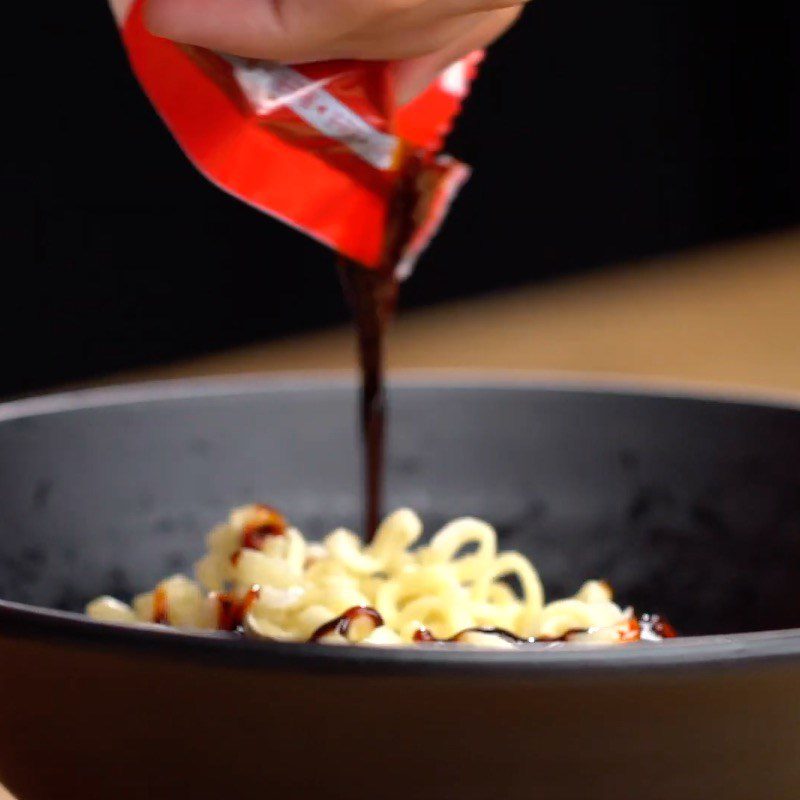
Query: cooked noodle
[[260, 575]]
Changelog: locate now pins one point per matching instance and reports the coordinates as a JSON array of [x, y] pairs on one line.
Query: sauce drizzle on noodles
[[455, 589]]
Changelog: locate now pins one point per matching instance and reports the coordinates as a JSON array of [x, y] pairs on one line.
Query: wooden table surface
[[728, 316]]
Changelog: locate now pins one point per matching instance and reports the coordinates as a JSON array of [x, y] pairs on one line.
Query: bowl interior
[[687, 506]]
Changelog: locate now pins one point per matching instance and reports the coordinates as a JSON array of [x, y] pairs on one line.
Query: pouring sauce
[[372, 296], [648, 627], [160, 606], [231, 610], [268, 522], [341, 625]]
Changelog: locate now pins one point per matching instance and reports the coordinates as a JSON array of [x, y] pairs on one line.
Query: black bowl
[[689, 506]]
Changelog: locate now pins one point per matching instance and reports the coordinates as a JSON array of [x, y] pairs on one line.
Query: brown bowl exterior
[[96, 724]]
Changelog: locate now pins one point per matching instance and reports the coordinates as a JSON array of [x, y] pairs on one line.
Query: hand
[[424, 35]]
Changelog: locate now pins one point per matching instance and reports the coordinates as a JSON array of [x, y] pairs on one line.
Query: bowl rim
[[288, 380], [763, 648]]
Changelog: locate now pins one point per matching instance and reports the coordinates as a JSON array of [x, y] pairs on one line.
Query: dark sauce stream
[[372, 296]]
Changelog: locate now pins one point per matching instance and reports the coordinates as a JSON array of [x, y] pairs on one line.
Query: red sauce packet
[[319, 146]]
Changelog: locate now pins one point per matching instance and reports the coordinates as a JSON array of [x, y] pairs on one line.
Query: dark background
[[599, 132]]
